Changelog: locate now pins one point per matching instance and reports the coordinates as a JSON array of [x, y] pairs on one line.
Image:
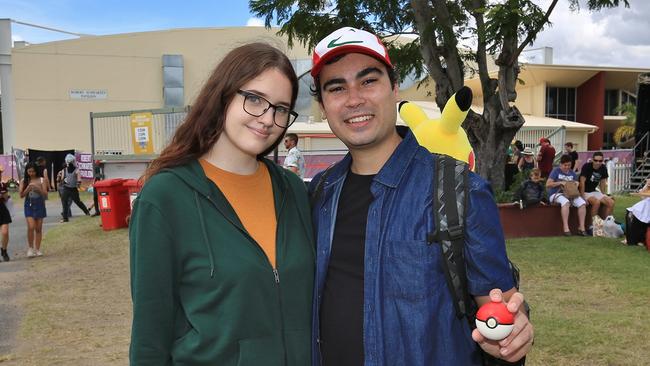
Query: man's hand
[[515, 346]]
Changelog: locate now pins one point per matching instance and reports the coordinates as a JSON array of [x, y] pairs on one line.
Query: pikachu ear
[[456, 110], [411, 114]]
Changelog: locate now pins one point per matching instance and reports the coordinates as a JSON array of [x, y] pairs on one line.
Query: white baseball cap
[[348, 40]]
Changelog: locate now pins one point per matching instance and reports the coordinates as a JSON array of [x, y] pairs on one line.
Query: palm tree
[[624, 135]]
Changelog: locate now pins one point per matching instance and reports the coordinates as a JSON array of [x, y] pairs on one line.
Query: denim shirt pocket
[[412, 269]]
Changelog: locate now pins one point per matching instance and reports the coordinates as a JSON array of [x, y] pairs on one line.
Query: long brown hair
[[205, 121]]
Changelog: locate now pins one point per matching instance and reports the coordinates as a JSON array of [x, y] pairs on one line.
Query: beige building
[[58, 85]]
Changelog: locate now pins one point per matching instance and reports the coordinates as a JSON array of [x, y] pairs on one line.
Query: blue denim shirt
[[409, 316]]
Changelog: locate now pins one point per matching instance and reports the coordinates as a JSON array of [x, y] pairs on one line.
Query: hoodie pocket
[[266, 351]]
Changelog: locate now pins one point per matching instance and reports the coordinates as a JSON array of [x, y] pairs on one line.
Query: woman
[[5, 217], [527, 162], [222, 254], [33, 189]]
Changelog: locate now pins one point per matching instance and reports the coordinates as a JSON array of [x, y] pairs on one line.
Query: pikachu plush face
[[444, 135]]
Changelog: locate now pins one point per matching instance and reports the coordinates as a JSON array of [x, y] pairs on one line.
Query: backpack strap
[[450, 206]]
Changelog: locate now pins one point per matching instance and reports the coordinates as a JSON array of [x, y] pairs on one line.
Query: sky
[[617, 37]]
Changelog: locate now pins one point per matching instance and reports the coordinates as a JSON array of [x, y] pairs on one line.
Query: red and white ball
[[494, 321]]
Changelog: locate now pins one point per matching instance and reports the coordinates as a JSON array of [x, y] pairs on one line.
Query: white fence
[[619, 177]]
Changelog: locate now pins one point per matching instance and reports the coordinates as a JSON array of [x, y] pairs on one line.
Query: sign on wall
[[85, 165], [83, 94], [141, 128]]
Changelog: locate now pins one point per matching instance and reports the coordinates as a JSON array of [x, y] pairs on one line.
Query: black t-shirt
[[341, 312], [574, 156], [593, 177]]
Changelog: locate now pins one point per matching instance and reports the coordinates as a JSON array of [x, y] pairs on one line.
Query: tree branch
[[533, 33], [454, 64], [429, 47], [487, 86]]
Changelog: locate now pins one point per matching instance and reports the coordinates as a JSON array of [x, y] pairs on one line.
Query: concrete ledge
[[537, 220]]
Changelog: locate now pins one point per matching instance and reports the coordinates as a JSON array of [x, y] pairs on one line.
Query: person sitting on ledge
[[594, 175], [560, 193], [532, 191]]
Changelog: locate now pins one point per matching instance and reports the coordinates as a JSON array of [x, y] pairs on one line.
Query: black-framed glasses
[[256, 106], [597, 161]]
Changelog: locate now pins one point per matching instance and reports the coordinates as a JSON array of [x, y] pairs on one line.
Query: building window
[[561, 103], [611, 102], [627, 97]]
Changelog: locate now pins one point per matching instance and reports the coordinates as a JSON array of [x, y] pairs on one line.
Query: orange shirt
[[251, 196]]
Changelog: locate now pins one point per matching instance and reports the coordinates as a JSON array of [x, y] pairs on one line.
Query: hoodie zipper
[[276, 275]]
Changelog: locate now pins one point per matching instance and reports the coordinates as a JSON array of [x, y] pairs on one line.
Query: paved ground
[[12, 273]]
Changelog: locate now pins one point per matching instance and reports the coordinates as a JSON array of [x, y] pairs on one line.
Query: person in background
[[532, 191], [66, 210], [527, 161], [5, 217], [33, 189], [71, 180], [637, 219], [558, 178], [41, 164], [575, 161], [545, 157], [594, 175], [512, 166], [97, 176], [294, 160], [222, 251]]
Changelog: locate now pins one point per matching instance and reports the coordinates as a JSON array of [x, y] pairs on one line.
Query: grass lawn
[[589, 299]]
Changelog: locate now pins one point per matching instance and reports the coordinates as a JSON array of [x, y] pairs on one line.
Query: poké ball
[[494, 321]]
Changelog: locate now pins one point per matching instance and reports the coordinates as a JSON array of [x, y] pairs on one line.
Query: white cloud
[[255, 22], [611, 37]]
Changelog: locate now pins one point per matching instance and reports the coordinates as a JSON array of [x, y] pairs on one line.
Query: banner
[[141, 129], [21, 161]]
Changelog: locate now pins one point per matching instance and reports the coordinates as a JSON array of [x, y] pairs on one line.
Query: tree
[[624, 135], [501, 29]]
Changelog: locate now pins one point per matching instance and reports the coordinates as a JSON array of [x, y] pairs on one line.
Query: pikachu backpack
[[444, 135]]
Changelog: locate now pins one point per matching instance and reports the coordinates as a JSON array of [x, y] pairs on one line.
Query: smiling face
[[245, 135], [359, 101]]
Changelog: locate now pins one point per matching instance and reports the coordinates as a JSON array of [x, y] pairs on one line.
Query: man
[[594, 174], [545, 157], [5, 218], [575, 161], [557, 184], [294, 160], [381, 297]]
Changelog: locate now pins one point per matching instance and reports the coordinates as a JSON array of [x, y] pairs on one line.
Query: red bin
[[133, 186], [113, 200]]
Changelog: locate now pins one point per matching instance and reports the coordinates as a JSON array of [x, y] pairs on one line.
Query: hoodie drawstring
[[205, 233]]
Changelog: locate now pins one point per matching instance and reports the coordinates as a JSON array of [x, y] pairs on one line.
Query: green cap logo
[[333, 43]]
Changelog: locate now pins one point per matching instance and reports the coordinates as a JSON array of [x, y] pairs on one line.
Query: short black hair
[[565, 159], [598, 153], [314, 89], [292, 136], [569, 144]]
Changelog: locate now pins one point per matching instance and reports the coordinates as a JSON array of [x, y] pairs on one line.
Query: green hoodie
[[204, 292]]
